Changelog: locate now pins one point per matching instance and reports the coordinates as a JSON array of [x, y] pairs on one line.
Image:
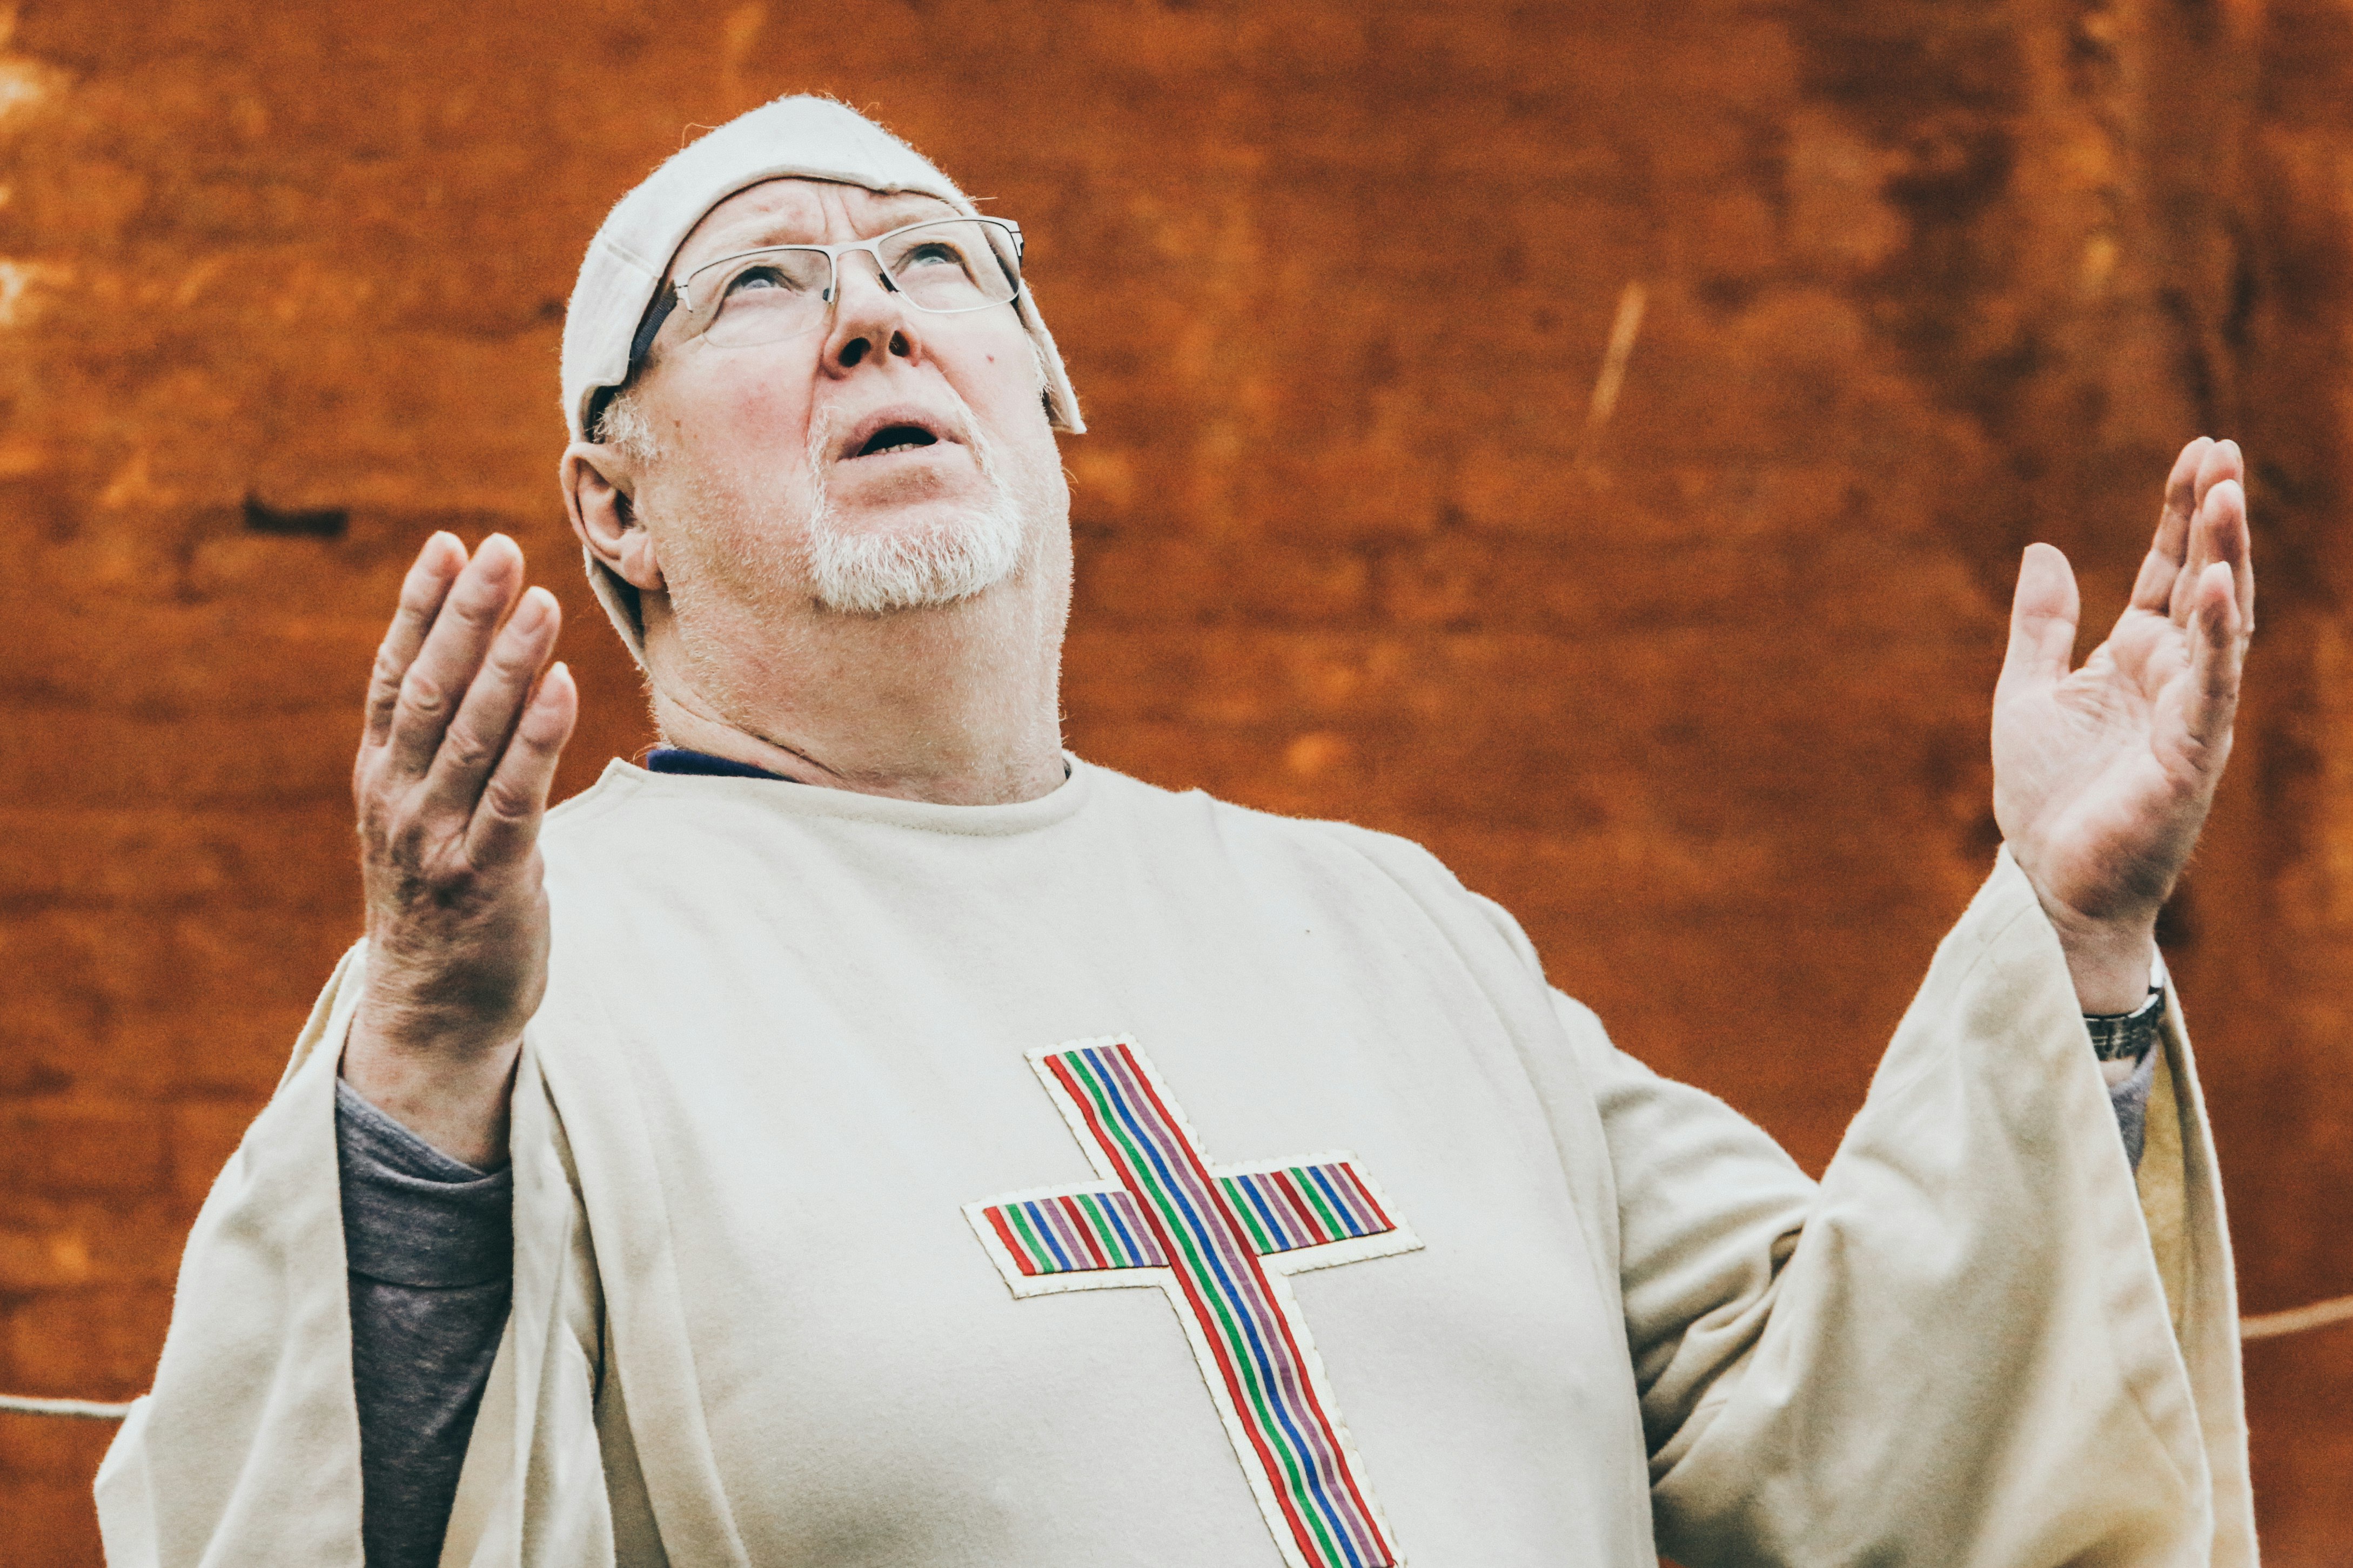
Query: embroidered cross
[[1221, 1241]]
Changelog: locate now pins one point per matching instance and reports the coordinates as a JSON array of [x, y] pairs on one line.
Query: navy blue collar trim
[[679, 760]]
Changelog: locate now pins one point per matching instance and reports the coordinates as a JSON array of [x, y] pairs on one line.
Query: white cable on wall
[[2296, 1319], [88, 1409]]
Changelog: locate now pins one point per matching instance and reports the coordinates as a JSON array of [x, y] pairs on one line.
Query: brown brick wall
[[1702, 696]]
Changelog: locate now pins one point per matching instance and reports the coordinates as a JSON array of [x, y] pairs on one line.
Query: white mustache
[[873, 574]]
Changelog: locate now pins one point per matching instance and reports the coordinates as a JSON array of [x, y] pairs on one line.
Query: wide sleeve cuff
[[1989, 1345]]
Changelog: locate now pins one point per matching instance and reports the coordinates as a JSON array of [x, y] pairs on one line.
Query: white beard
[[968, 551], [727, 570]]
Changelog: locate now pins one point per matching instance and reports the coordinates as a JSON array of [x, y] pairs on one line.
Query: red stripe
[[1012, 1244], [1307, 1216], [1238, 1401], [1364, 1194], [1283, 1319], [1086, 1232]]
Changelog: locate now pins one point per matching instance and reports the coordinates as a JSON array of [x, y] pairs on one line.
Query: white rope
[[2296, 1319], [88, 1409]]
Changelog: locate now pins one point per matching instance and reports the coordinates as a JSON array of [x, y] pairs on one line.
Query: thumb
[[2041, 623]]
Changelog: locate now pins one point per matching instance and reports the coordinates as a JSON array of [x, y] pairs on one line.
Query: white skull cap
[[802, 137]]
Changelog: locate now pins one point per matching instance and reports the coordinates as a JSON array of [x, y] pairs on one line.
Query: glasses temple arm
[[664, 302]]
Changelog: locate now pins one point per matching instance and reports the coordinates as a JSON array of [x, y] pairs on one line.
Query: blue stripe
[[1110, 1212], [1072, 1234], [1360, 1197], [1258, 1202], [1339, 1205], [1037, 1220], [1278, 1399], [1137, 1256], [1097, 1207]]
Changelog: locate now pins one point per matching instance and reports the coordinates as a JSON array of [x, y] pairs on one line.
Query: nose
[[869, 317]]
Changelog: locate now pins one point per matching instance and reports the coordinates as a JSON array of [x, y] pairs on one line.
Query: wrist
[[2110, 962], [456, 1100]]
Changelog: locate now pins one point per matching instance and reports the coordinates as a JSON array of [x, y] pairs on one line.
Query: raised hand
[[2103, 775], [455, 763]]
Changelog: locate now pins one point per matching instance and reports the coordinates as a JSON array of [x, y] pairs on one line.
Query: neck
[[959, 704]]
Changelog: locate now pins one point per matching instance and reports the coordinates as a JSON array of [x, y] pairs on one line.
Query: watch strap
[[2127, 1037]]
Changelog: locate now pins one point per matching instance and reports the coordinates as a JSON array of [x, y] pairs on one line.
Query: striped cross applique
[[1221, 1241]]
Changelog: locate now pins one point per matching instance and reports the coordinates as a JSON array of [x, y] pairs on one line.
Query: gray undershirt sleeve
[[430, 1242], [2130, 1099]]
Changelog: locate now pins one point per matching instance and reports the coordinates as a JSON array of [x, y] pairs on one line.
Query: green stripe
[[1315, 1197], [1039, 1253], [1242, 1203], [1235, 1344], [1112, 1248]]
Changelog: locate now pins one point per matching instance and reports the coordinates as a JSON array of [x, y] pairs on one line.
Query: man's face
[[886, 458]]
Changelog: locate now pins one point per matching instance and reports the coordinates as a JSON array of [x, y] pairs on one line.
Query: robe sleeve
[[1976, 1341], [247, 1448]]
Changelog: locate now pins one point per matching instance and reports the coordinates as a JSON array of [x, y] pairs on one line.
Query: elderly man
[[867, 1134]]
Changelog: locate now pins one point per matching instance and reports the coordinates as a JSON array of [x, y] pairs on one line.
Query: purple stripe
[[1121, 1206], [1094, 1208], [1303, 1208], [1114, 1237], [1362, 1196], [1244, 1289], [1049, 1214], [1266, 1208], [1058, 1261], [1281, 1375], [1342, 1202]]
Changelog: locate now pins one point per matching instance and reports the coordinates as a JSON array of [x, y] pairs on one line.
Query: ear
[[597, 491]]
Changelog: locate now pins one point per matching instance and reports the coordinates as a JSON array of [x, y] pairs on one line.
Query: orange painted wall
[[1702, 695]]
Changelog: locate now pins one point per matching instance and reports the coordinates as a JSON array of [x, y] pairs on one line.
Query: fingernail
[[536, 603]]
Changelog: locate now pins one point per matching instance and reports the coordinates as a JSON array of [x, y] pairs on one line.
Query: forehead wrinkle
[[799, 216]]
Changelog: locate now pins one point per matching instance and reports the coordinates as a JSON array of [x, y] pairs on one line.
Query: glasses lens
[[951, 265], [763, 298]]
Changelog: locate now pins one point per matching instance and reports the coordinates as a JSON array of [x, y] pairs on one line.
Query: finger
[[2230, 541], [2221, 464], [2223, 460], [437, 680], [2217, 655], [2153, 588], [2042, 622], [495, 701], [421, 594], [506, 823]]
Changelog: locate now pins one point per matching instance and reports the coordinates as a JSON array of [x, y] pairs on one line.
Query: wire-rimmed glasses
[[942, 266]]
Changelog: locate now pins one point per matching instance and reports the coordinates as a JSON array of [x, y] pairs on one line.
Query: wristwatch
[[2126, 1037]]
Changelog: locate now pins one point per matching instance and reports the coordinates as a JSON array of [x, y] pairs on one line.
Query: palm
[[2102, 774]]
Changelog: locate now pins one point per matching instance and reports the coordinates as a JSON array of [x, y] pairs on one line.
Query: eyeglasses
[[944, 266]]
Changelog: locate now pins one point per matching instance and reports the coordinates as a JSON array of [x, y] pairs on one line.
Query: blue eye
[[754, 277]]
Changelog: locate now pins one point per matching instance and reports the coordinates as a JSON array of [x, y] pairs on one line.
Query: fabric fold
[[784, 1049], [1978, 1252], [246, 1450]]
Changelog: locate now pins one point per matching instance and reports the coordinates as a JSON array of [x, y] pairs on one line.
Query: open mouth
[[895, 439]]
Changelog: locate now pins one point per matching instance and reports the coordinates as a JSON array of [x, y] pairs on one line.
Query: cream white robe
[[784, 1045]]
